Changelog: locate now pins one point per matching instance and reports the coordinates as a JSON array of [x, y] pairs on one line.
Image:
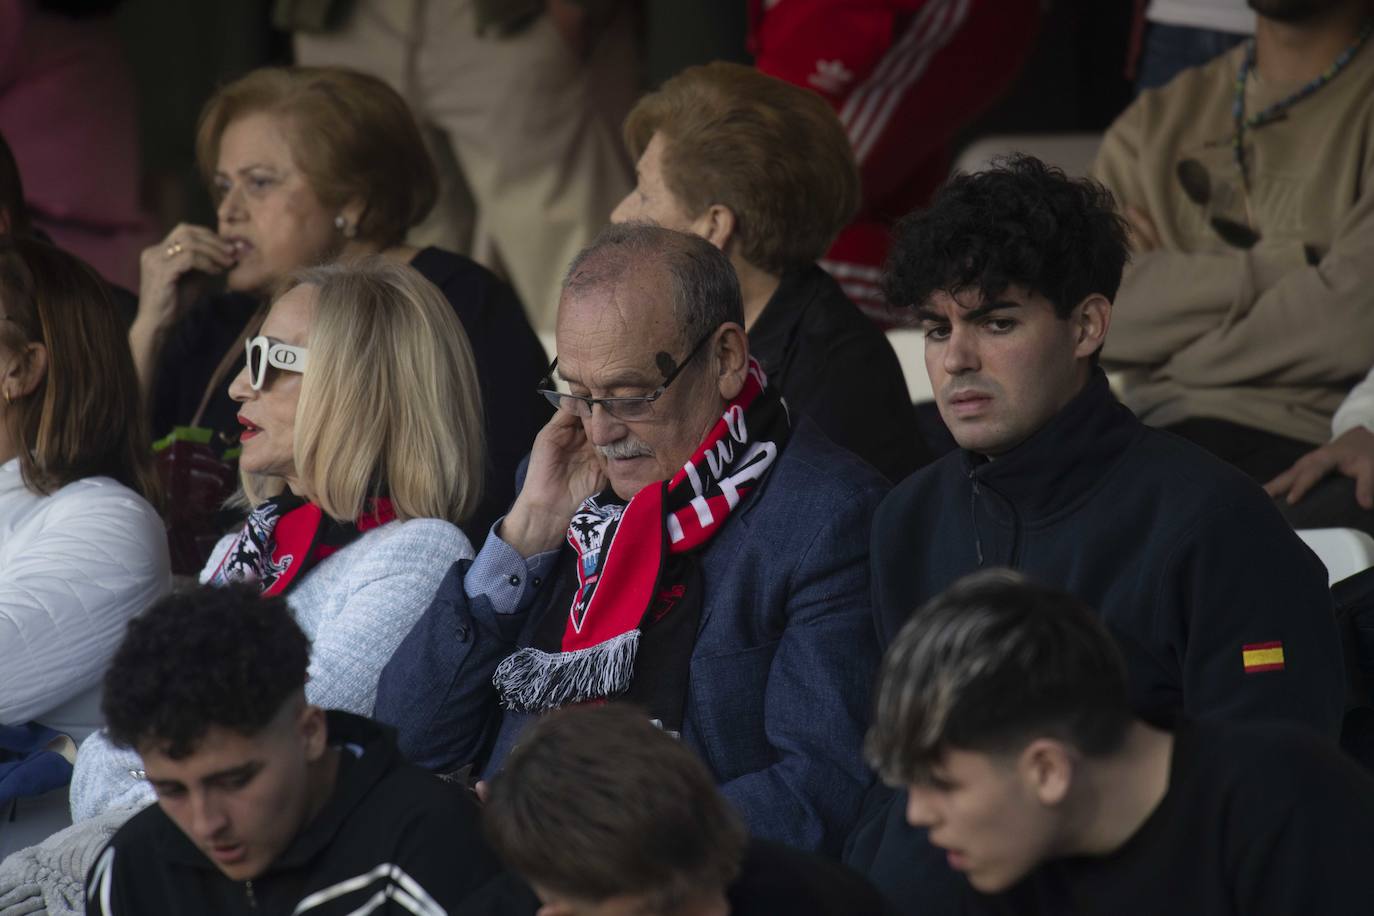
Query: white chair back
[[910, 345], [1344, 551]]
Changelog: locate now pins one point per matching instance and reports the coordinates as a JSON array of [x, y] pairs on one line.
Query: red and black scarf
[[632, 621], [284, 537]]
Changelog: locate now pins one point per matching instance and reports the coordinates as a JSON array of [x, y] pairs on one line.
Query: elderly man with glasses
[[679, 543]]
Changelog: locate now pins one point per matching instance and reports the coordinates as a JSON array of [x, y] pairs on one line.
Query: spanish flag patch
[[1262, 656]]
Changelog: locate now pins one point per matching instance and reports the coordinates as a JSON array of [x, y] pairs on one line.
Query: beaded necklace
[[1277, 110]]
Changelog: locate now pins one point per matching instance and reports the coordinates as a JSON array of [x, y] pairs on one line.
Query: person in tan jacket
[[1248, 310]]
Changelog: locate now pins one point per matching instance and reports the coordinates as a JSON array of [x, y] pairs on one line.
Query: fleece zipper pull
[[973, 516]]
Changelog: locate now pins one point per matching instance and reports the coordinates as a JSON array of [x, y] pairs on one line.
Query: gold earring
[[8, 402]]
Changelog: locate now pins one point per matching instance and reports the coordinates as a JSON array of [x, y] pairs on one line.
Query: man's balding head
[[636, 305], [704, 289]]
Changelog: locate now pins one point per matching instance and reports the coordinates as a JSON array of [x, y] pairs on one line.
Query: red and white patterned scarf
[[284, 537], [631, 625]]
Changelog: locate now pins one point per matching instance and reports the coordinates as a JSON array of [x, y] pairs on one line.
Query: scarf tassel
[[532, 680]]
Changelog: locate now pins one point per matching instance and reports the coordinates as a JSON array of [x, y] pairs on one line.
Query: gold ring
[[174, 249]]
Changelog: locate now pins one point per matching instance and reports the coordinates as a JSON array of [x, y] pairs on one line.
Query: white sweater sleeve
[[392, 576], [1357, 409], [98, 558]]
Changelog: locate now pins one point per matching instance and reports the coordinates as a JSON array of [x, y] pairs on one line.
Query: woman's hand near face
[[163, 290], [564, 470]]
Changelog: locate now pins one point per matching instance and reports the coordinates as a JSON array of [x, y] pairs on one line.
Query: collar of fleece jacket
[[1066, 460]]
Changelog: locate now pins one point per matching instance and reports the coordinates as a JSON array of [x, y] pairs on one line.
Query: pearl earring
[[342, 225]]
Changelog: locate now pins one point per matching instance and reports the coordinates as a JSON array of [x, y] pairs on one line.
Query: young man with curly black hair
[[265, 802], [1220, 609]]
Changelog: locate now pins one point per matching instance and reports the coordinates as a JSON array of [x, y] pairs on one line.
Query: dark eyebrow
[[251, 768], [987, 308], [982, 311]]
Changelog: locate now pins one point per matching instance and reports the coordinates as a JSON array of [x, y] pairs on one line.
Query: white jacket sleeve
[[98, 556], [392, 578], [1357, 409]]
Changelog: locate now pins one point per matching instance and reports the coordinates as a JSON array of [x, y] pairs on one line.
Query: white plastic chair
[[1344, 551], [910, 345], [1072, 152]]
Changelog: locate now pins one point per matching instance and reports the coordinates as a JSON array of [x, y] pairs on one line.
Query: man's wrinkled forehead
[[619, 324]]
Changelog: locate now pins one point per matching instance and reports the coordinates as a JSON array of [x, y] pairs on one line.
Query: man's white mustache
[[624, 448]]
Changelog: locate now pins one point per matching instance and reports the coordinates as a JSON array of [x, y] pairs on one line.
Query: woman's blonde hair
[[389, 402], [351, 134]]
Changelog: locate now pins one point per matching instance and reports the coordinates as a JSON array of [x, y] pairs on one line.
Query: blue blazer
[[780, 677]]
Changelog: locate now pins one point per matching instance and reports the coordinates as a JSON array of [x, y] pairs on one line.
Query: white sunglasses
[[264, 352]]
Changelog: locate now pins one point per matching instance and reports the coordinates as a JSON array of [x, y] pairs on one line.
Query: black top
[[388, 827], [774, 880], [510, 362], [1256, 821], [1185, 559], [834, 365]]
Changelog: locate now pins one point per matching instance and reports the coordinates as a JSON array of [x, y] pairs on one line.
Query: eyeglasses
[[264, 352], [630, 409], [1197, 184]]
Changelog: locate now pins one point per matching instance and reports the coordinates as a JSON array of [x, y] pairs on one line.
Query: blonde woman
[[362, 447]]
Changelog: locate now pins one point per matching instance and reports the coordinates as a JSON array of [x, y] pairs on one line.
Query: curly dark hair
[[1020, 223], [213, 656]]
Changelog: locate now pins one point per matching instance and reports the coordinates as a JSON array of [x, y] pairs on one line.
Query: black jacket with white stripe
[[392, 839]]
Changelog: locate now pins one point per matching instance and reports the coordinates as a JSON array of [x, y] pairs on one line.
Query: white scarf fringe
[[532, 680]]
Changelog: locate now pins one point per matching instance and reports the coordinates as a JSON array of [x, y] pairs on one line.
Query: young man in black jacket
[[267, 804], [1003, 711], [1219, 608]]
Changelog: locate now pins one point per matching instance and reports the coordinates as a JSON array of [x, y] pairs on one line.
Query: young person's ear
[[25, 372], [1091, 320], [1047, 767], [717, 225], [314, 731]]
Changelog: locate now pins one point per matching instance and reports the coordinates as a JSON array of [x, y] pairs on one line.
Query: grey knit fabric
[[50, 877]]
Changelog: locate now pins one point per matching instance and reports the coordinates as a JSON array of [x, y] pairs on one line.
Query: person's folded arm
[[1168, 298], [1314, 325]]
